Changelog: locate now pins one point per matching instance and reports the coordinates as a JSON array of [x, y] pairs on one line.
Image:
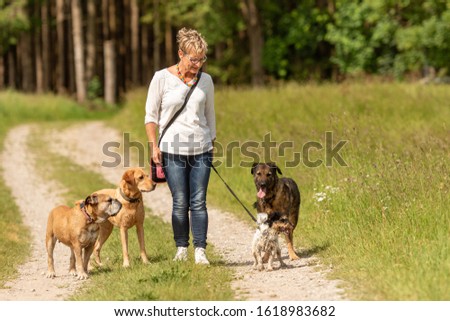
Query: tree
[[350, 37], [38, 49], [46, 47], [135, 70], [249, 41], [14, 22], [109, 32], [61, 47], [91, 38], [254, 32], [156, 36], [77, 23]]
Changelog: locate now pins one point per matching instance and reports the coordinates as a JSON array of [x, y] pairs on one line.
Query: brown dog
[[78, 228], [129, 193], [280, 195]]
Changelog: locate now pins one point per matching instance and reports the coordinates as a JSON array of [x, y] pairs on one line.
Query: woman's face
[[192, 61]]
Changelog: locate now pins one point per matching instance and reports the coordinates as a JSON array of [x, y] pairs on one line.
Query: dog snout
[[262, 184], [148, 186]]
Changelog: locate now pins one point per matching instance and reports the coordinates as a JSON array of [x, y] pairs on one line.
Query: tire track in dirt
[[35, 197]]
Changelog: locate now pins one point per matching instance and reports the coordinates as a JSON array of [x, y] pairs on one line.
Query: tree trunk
[[254, 32], [135, 74], [38, 52], [70, 66], [77, 25], [62, 61], [91, 40], [156, 35], [110, 72], [109, 58], [12, 68], [169, 41], [46, 50], [26, 63], [145, 55], [123, 41], [2, 72]]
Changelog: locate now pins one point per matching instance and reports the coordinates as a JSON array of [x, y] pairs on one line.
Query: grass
[[382, 221], [161, 280]]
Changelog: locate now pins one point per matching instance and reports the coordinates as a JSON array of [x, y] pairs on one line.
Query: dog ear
[[128, 176], [279, 170], [253, 167], [275, 167], [91, 199]]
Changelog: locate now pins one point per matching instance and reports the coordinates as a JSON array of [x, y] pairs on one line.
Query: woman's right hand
[[156, 155]]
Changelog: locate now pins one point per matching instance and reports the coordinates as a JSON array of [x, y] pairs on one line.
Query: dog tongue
[[261, 193]]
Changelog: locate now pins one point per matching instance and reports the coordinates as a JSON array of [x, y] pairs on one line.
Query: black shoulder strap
[[182, 107]]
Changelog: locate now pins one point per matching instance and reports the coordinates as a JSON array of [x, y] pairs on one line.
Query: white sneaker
[[182, 254], [200, 257]]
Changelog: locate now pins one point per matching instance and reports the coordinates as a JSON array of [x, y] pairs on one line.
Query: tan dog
[[129, 193], [78, 228]]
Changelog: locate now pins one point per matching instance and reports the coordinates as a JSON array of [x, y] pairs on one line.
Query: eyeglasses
[[196, 60]]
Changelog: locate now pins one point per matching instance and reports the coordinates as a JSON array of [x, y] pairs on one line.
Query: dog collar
[[83, 209], [128, 199]]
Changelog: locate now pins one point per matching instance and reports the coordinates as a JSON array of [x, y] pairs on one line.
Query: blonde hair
[[191, 40]]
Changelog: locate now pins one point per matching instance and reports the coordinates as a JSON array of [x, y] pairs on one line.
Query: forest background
[[103, 48]]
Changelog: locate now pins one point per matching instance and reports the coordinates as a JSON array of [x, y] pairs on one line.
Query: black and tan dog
[[78, 228], [278, 195]]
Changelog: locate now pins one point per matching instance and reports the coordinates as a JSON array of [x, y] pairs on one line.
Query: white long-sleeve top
[[194, 129]]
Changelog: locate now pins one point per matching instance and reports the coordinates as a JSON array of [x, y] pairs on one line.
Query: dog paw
[[82, 276], [260, 267], [73, 272], [50, 275], [269, 268], [98, 263]]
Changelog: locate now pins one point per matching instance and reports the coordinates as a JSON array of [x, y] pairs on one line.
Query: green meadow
[[371, 161]]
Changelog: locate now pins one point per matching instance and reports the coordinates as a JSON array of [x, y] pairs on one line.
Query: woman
[[186, 148]]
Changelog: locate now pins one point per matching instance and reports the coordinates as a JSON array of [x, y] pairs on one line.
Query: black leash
[[233, 193]]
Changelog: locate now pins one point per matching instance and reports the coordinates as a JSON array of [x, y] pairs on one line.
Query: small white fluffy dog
[[265, 243]]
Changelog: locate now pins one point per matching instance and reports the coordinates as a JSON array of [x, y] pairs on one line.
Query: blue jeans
[[188, 177]]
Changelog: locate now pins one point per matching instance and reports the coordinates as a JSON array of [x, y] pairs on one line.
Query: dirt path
[[35, 200], [232, 239]]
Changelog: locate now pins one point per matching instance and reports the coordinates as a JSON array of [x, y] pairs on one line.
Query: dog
[[78, 228], [280, 195], [265, 241], [129, 192]]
